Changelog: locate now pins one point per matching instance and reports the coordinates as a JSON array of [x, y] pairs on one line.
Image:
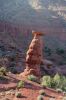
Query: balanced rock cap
[[37, 33]]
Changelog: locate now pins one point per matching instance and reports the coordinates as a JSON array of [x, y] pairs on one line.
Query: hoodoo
[[34, 56]]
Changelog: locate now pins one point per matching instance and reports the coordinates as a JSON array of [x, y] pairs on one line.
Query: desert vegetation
[[20, 84], [3, 71], [32, 78], [18, 95], [57, 82]]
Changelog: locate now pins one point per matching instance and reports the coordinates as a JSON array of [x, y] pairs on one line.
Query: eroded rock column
[[34, 56]]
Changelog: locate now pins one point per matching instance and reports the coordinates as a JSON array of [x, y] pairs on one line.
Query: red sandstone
[[34, 56]]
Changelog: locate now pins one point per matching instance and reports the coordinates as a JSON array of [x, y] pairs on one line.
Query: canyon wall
[[19, 17]]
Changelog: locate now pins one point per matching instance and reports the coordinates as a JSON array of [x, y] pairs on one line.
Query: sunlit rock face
[[47, 16]]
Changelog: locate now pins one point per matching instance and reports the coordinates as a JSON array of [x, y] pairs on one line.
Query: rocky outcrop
[[34, 56]]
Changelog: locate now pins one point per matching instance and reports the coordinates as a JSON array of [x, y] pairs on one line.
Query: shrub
[[57, 80], [32, 78], [18, 95], [20, 84], [46, 81], [53, 83], [40, 97], [60, 82], [63, 83], [64, 88], [42, 92], [3, 71]]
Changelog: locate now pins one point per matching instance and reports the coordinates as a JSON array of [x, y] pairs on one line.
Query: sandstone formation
[[34, 56]]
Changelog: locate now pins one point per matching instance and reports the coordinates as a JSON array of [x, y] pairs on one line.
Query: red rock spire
[[34, 56]]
